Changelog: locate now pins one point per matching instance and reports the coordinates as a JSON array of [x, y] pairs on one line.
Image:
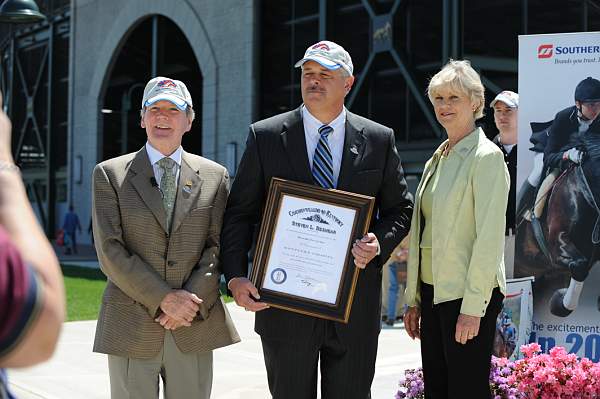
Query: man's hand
[[246, 294], [181, 305], [364, 250], [573, 155], [467, 327], [170, 323], [412, 322]]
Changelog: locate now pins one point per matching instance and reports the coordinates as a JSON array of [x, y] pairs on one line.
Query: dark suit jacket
[[562, 129], [511, 164], [276, 147]]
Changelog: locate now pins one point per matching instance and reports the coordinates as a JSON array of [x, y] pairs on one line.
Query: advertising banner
[[513, 325], [558, 188]]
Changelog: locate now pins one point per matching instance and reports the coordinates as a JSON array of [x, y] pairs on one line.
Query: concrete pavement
[[75, 372]]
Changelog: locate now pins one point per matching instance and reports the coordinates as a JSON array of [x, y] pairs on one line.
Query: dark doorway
[[155, 47]]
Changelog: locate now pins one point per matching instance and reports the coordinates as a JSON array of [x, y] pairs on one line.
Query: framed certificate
[[303, 261]]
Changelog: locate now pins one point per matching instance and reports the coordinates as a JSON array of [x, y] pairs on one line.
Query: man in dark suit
[[319, 143]]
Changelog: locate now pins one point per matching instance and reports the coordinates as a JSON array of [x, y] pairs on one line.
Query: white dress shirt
[[335, 139], [154, 156], [508, 147]]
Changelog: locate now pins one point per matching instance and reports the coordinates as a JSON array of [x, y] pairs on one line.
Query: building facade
[[73, 84]]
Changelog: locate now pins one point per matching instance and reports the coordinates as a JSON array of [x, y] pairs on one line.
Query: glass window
[[554, 16], [491, 28]]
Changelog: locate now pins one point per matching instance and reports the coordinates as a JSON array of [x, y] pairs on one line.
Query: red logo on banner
[[321, 46], [166, 83], [545, 51]]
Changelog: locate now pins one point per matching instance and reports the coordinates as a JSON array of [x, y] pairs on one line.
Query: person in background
[[394, 286], [506, 109], [70, 226], [456, 277], [32, 298], [91, 231]]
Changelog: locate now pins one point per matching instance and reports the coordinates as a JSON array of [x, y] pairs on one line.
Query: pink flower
[[531, 349], [557, 374], [553, 375]]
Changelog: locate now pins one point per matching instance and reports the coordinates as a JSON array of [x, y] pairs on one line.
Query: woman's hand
[[467, 327], [412, 322]]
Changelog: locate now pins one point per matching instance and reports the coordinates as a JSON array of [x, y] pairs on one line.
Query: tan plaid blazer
[[143, 261]]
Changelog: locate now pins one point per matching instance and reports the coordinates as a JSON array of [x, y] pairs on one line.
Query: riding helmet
[[588, 90]]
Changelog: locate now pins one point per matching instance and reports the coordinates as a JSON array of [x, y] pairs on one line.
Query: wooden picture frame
[[303, 261]]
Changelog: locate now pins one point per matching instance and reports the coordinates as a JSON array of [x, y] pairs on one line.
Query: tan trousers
[[543, 191], [184, 375]]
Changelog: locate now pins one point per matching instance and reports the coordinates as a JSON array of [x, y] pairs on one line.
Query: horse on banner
[[570, 226]]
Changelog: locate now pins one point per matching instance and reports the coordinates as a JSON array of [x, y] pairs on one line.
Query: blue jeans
[[392, 291]]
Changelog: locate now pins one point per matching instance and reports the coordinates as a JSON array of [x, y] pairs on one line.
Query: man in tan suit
[[157, 217]]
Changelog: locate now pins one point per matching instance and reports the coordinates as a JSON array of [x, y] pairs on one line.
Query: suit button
[[171, 263]]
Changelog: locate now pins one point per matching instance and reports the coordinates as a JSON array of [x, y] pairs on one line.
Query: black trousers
[[346, 372], [452, 370]]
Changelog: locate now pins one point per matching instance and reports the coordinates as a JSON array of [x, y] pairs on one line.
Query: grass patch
[[84, 288]]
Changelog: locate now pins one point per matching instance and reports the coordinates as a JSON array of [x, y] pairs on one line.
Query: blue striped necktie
[[322, 167]]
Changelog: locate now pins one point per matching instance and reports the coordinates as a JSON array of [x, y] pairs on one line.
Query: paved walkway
[[85, 256], [75, 372]]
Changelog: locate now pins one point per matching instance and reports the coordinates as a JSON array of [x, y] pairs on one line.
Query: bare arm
[[17, 217]]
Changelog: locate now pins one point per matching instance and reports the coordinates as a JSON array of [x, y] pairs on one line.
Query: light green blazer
[[468, 225]]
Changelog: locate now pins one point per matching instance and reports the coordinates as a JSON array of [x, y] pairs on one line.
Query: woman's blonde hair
[[459, 75]]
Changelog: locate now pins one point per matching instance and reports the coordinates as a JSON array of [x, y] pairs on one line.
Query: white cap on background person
[[510, 98]]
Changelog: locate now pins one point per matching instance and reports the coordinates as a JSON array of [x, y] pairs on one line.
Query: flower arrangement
[[501, 383], [557, 374], [411, 385]]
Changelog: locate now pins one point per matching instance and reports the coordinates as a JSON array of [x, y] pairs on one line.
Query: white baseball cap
[[510, 98], [329, 55], [161, 88]]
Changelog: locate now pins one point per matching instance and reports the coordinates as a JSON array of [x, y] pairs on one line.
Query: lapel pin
[[188, 186], [354, 150]]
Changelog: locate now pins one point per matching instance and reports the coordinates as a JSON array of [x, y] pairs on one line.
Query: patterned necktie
[[322, 168], [168, 186]]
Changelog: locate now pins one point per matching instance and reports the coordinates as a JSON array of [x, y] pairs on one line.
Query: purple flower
[[411, 385]]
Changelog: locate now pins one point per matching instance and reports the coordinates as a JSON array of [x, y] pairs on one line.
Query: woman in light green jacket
[[456, 280]]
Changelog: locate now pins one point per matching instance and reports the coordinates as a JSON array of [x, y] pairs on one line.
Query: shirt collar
[[464, 146], [336, 124], [154, 155]]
